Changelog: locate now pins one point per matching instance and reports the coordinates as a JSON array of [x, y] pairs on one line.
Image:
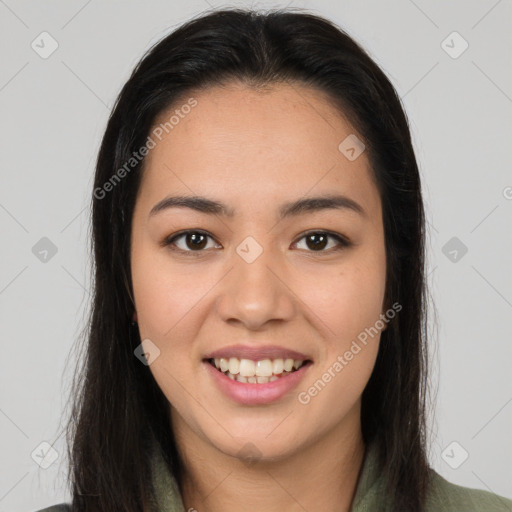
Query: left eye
[[319, 239], [196, 241]]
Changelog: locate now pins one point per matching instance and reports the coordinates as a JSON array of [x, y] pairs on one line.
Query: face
[[259, 282]]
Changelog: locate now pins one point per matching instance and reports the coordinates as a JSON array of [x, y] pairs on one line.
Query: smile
[[261, 371]]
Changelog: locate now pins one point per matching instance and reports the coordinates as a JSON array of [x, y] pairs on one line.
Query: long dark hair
[[117, 407]]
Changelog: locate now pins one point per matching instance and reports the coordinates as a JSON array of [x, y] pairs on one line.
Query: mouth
[[261, 371]]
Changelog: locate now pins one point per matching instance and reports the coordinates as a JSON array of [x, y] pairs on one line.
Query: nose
[[254, 294]]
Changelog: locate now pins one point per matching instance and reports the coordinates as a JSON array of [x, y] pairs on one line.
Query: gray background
[[53, 113]]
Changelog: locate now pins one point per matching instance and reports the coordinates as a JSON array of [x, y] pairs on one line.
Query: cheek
[[337, 382], [168, 303], [347, 300], [347, 304], [166, 296]]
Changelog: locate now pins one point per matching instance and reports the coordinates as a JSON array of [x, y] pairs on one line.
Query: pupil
[[316, 245], [194, 238]]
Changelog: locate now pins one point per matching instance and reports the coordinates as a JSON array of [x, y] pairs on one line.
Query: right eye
[[192, 241]]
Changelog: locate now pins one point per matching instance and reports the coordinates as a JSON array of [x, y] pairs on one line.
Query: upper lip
[[257, 353]]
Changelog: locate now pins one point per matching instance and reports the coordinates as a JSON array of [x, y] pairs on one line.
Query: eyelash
[[170, 240]]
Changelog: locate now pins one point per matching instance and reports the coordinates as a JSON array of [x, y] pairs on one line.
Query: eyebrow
[[294, 208]]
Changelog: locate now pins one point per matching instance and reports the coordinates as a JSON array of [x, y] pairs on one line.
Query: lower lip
[[256, 394]]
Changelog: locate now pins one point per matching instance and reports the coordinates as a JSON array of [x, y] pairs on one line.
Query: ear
[[134, 317]]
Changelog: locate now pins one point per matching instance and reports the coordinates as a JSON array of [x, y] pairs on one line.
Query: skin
[[255, 150]]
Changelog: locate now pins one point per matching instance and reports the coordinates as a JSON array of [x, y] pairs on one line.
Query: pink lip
[[256, 353], [256, 394]]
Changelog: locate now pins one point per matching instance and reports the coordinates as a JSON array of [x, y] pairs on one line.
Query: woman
[[258, 332]]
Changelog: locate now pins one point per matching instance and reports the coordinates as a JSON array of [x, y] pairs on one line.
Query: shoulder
[[444, 496], [62, 507]]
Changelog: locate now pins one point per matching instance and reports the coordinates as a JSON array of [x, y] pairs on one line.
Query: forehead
[[263, 145]]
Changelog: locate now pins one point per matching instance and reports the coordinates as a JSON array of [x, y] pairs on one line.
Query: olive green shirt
[[443, 496]]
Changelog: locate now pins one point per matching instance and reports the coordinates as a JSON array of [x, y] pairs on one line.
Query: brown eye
[[188, 241], [317, 241], [195, 240]]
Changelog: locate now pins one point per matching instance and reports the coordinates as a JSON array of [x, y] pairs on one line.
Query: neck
[[320, 476]]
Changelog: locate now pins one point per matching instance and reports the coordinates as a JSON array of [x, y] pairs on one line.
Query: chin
[[258, 444]]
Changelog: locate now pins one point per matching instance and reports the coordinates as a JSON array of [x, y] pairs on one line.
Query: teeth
[[288, 365], [247, 368], [278, 366], [264, 368], [256, 379], [261, 371], [234, 365]]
